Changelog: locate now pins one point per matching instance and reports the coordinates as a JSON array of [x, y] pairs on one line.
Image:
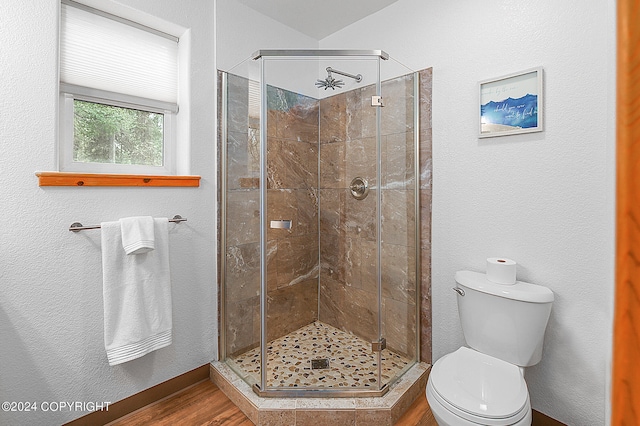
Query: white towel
[[137, 234], [137, 295]]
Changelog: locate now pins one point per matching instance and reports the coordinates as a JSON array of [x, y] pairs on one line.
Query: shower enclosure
[[319, 222]]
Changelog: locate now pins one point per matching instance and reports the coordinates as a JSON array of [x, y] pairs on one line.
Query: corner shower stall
[[319, 222]]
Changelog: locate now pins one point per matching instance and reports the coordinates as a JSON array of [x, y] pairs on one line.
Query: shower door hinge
[[376, 101], [379, 346]]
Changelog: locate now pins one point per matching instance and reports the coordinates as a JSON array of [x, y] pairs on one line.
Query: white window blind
[[110, 56]]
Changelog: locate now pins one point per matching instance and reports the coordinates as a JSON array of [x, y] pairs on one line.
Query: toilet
[[503, 325]]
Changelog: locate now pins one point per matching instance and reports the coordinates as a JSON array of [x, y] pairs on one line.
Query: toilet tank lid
[[521, 290]]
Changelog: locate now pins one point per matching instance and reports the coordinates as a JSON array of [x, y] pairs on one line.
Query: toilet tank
[[505, 321]]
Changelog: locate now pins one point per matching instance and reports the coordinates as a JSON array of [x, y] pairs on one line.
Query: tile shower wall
[[292, 173], [349, 295], [424, 90], [242, 275], [344, 126], [292, 255]]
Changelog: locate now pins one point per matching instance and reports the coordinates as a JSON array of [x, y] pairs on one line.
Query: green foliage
[[109, 134]]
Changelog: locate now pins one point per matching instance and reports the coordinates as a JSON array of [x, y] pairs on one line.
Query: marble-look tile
[[331, 211], [360, 160], [373, 417], [291, 307], [292, 164], [333, 119], [301, 120], [425, 85], [243, 160], [325, 417], [426, 335], [360, 216], [326, 403], [399, 326], [398, 155], [349, 308], [368, 270], [240, 325], [398, 217], [234, 388], [425, 216], [306, 204], [398, 273], [426, 168], [237, 104], [425, 93], [297, 259], [352, 262], [330, 258], [301, 160], [277, 417], [332, 166], [276, 164], [281, 205], [346, 248], [243, 271], [274, 128], [354, 114], [415, 388], [292, 116], [272, 265], [368, 113], [243, 217], [397, 114]]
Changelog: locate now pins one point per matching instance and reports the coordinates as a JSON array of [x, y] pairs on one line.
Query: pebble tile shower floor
[[352, 364]]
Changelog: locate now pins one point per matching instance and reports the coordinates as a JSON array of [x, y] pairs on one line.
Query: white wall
[[51, 315], [544, 199], [241, 31]]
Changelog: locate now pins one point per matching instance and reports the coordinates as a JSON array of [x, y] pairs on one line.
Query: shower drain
[[320, 363]]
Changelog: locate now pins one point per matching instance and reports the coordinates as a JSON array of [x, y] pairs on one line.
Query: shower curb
[[385, 410]]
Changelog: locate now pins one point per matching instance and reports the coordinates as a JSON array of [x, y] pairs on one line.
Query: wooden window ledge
[[99, 179]]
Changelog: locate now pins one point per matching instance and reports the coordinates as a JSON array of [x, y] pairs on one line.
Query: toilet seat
[[479, 387]]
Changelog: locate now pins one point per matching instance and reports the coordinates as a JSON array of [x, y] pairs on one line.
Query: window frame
[[70, 92], [67, 130]]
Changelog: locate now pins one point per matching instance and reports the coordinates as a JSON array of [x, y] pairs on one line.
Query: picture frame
[[511, 104]]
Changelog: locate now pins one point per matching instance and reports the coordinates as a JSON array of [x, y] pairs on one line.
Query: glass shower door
[[399, 242], [322, 288]]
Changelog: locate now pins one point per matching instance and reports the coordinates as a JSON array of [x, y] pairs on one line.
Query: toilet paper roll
[[501, 270]]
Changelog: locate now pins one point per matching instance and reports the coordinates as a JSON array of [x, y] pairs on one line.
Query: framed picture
[[512, 104]]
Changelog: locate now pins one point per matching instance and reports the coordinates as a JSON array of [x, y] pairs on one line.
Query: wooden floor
[[205, 404]]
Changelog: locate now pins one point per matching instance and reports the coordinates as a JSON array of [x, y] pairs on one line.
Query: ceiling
[[317, 18]]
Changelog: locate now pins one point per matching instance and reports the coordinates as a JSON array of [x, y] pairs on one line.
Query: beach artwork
[[511, 104]]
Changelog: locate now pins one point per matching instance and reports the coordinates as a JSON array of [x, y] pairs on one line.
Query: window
[[118, 94]]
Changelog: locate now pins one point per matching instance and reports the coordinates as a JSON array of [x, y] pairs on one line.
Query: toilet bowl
[[504, 326], [467, 388]]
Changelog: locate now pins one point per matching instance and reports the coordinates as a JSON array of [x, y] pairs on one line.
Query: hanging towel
[[137, 234], [137, 295]]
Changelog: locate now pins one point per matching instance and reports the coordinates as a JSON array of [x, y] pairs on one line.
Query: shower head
[[329, 82], [332, 83]]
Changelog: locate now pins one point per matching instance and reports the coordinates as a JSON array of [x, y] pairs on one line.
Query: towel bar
[[77, 226]]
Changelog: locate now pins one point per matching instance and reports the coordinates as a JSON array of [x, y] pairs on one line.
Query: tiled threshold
[[385, 410]]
